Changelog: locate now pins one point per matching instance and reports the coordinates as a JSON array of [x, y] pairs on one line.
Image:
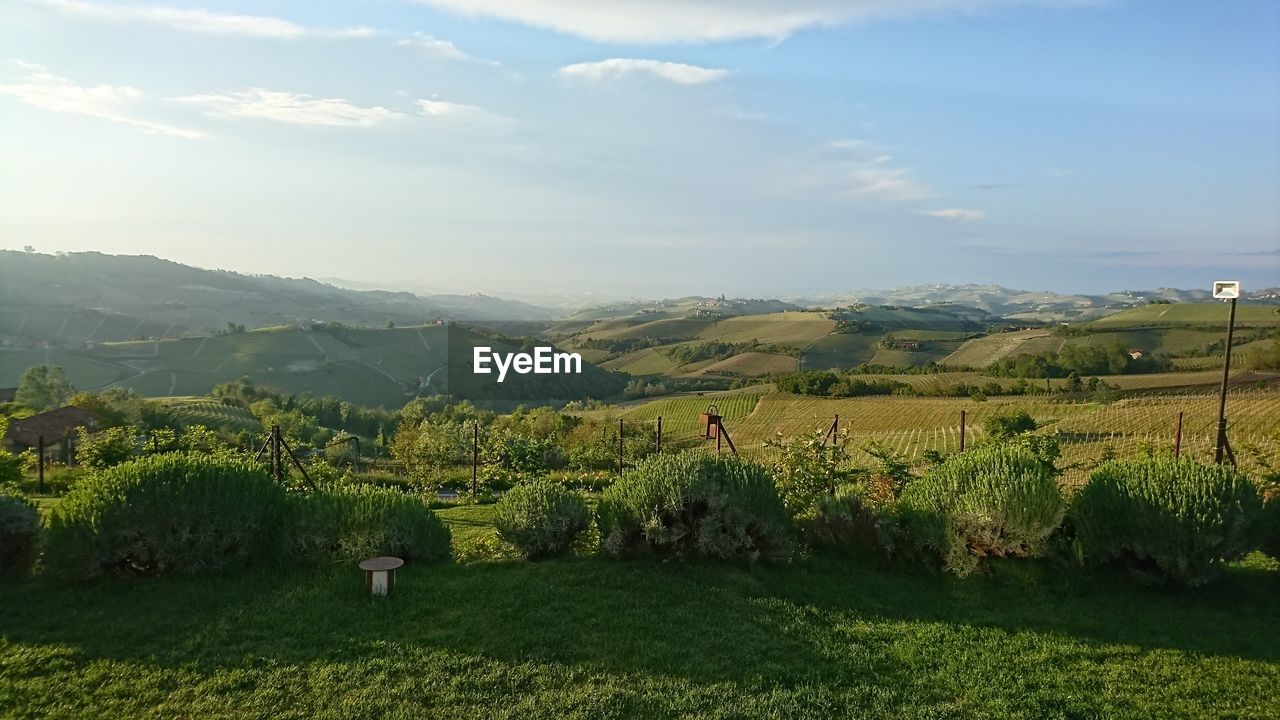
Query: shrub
[[860, 516], [805, 468], [1008, 424], [1177, 518], [541, 518], [105, 449], [353, 522], [1271, 540], [165, 513], [19, 531], [694, 504], [996, 500]]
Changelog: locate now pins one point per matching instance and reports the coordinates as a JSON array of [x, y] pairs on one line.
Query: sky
[[667, 147]]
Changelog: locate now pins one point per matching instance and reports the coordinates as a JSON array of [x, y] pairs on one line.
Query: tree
[[43, 387]]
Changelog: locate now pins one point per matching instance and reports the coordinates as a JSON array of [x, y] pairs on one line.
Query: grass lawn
[[587, 637]]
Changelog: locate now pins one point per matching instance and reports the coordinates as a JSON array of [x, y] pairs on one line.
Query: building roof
[[53, 425]]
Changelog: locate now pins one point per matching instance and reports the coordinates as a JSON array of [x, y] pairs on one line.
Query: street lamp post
[[1225, 290]]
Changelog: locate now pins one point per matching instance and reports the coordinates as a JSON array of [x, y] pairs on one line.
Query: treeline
[[831, 383], [325, 411], [720, 350], [1079, 360]]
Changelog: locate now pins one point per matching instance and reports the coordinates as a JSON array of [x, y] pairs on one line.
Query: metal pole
[[1222, 397], [475, 455], [1177, 439], [962, 423], [619, 447], [40, 464]]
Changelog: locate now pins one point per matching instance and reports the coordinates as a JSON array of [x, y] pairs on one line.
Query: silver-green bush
[[993, 501], [19, 531], [1176, 519], [353, 522], [176, 512], [695, 504], [541, 517]]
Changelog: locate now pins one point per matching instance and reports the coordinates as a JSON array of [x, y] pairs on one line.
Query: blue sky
[[652, 148]]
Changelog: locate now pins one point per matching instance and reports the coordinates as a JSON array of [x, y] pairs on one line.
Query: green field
[[1191, 313], [792, 329], [586, 637]]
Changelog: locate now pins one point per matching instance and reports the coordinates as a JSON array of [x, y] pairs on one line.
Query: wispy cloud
[[614, 68], [1054, 172], [44, 90], [869, 168], [445, 110], [961, 214], [201, 21], [889, 184], [662, 21], [441, 49], [291, 108]]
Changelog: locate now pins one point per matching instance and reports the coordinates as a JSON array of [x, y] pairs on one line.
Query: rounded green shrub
[[993, 501], [1271, 537], [695, 504], [1177, 519], [175, 512], [353, 522], [541, 517], [19, 531], [858, 516]]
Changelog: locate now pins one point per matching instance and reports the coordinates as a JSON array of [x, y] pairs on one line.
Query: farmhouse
[[55, 426], [1136, 353]]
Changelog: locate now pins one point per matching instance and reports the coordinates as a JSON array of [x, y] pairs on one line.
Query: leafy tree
[[43, 387]]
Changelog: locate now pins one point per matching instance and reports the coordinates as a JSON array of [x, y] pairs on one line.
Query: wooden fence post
[[619, 447], [962, 424], [1177, 440], [657, 445], [475, 456]]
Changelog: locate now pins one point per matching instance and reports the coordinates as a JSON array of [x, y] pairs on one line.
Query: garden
[[189, 581]]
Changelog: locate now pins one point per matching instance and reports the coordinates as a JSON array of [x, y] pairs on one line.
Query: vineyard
[[213, 414], [1087, 431]]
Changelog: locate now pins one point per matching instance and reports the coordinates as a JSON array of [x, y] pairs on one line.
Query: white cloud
[[291, 108], [1054, 172], [888, 183], [659, 21], [201, 21], [960, 214], [444, 110], [441, 49], [613, 68], [54, 93]]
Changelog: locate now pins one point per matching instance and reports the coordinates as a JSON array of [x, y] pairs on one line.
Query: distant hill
[[364, 366], [1041, 306], [77, 298]]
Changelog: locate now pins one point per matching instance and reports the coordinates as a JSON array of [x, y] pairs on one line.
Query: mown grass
[[587, 637]]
